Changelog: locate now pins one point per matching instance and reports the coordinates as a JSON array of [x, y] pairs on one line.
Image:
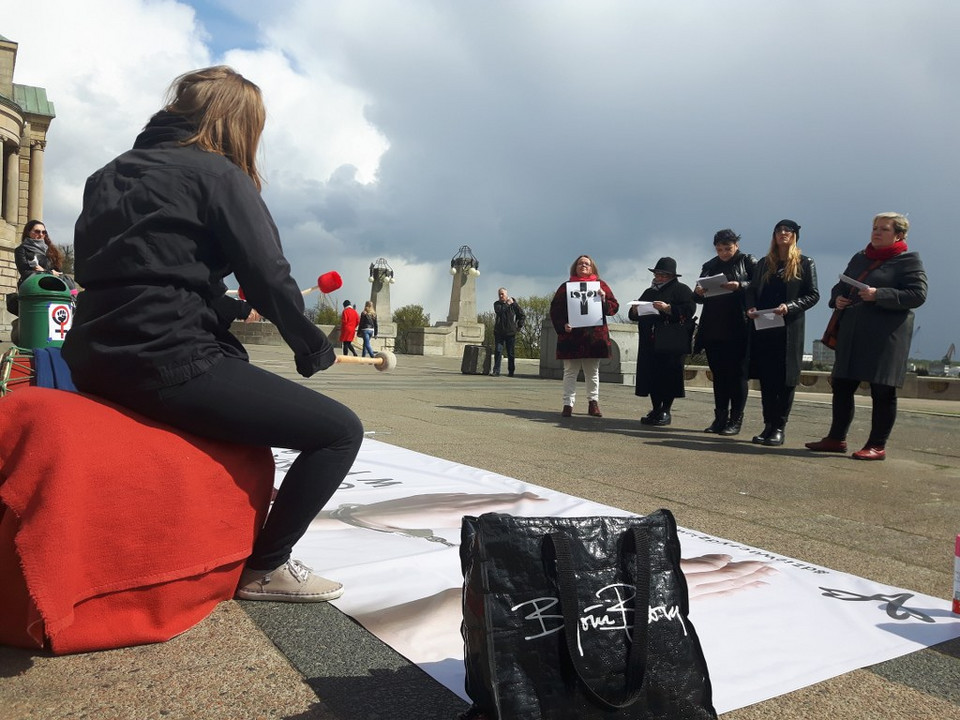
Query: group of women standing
[[752, 326]]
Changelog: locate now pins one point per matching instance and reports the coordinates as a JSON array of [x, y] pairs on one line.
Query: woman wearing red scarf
[[875, 331], [582, 347]]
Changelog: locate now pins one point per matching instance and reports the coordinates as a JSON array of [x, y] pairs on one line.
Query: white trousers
[[591, 375]]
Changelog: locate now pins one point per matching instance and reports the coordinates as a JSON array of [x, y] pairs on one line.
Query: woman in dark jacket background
[[874, 333], [723, 331], [36, 252], [582, 347], [659, 374], [160, 228], [786, 282]]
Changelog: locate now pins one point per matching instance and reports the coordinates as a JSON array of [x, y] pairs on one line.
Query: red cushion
[[116, 530]]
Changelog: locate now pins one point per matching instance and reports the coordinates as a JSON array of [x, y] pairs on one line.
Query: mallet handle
[[354, 360]]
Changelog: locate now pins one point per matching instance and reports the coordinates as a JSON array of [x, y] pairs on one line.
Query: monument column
[[11, 179], [463, 295], [35, 198], [381, 278]]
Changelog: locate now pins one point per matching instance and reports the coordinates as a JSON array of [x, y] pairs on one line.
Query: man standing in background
[[509, 321]]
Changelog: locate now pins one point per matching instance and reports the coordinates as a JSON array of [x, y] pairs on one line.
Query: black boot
[[764, 434], [719, 422], [651, 416], [733, 427], [776, 437]]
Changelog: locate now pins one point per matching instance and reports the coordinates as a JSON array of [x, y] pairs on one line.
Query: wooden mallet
[[384, 361]]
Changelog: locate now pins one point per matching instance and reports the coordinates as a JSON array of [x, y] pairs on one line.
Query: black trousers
[[238, 402], [348, 348], [505, 344], [884, 410], [727, 361]]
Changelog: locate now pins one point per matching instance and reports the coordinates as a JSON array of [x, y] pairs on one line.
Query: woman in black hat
[[785, 285], [723, 330], [659, 373]]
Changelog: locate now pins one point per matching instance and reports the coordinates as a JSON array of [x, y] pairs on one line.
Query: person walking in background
[[508, 322], [368, 328], [874, 332], [349, 320], [785, 285], [582, 348], [660, 371], [160, 227], [723, 330]]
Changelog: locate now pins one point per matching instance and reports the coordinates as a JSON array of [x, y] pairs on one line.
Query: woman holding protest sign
[[583, 339]]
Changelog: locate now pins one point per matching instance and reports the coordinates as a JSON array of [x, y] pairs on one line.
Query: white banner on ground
[[768, 624]]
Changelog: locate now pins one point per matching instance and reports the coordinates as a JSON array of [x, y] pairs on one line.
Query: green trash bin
[[46, 311]]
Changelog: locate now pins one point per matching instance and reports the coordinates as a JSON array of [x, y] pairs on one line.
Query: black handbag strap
[[570, 608]]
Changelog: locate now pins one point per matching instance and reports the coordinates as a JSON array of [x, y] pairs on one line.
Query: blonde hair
[[792, 270], [228, 111], [369, 309], [900, 222]]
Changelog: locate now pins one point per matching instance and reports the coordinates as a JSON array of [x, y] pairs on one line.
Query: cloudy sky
[[536, 130]]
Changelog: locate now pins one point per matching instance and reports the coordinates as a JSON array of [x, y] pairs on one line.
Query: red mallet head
[[240, 294], [329, 281]]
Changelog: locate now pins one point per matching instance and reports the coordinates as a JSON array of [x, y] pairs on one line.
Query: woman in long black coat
[[723, 331], [786, 282], [660, 375], [874, 333]]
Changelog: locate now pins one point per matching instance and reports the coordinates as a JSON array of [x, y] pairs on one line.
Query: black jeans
[[506, 343], [884, 411], [237, 402], [348, 348]]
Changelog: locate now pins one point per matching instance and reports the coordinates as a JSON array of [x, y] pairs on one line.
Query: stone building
[[25, 117]]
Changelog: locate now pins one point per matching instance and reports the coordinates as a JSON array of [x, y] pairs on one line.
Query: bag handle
[[569, 606]]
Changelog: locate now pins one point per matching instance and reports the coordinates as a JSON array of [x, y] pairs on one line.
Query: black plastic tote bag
[[579, 618]]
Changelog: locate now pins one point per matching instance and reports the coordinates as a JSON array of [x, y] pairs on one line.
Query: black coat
[[160, 228], [783, 347], [723, 318], [661, 374], [873, 340]]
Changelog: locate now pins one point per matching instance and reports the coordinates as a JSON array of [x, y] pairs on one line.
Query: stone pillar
[[463, 295], [380, 281], [35, 198], [11, 180]]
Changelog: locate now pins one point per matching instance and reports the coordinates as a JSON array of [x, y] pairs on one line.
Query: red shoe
[[870, 453], [828, 444], [594, 409], [567, 411]]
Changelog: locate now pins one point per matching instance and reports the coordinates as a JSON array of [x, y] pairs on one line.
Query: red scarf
[[900, 246], [588, 278]]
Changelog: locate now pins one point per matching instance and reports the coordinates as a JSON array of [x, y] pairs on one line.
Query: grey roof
[[33, 100]]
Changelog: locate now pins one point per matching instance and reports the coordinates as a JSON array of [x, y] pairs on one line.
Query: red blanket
[[115, 530]]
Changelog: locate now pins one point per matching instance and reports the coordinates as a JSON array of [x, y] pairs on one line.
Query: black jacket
[[873, 341], [509, 318], [784, 345], [661, 374], [161, 226], [724, 317]]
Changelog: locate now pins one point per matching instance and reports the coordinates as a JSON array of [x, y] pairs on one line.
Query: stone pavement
[[893, 522]]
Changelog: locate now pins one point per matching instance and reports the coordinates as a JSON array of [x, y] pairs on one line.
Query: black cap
[[788, 224], [346, 303], [665, 265]]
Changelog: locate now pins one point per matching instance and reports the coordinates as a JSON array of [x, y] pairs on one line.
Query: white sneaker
[[291, 582]]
